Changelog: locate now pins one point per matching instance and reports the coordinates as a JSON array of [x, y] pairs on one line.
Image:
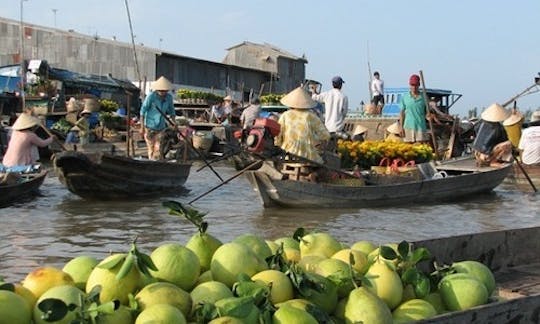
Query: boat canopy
[[445, 99]]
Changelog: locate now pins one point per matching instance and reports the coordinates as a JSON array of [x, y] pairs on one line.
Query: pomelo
[[413, 310], [44, 278], [226, 320], [297, 302], [164, 293], [176, 264], [460, 291], [291, 255], [289, 314], [479, 271], [13, 308], [325, 296], [79, 268], [385, 283], [112, 288], [273, 246], [435, 300], [161, 314], [365, 307], [209, 292], [339, 272], [309, 263], [408, 293], [360, 259], [122, 315], [69, 295], [288, 242], [26, 294], [281, 288], [256, 244], [203, 245], [365, 247], [319, 244], [231, 259], [204, 277]]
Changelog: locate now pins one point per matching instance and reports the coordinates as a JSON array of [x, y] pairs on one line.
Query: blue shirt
[[153, 119], [415, 112]]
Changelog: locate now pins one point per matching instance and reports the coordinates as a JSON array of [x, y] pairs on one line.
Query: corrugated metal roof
[[270, 49]]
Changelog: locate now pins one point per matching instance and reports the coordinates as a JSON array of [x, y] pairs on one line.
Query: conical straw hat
[[359, 129], [229, 98], [513, 119], [72, 105], [91, 104], [162, 84], [25, 121], [495, 113], [298, 99], [393, 129]]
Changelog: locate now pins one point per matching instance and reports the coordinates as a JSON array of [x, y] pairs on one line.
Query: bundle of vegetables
[[62, 126], [110, 120], [271, 99], [370, 153], [193, 94], [108, 105]]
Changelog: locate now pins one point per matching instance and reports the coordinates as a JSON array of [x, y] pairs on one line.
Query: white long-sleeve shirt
[[377, 87], [336, 105]]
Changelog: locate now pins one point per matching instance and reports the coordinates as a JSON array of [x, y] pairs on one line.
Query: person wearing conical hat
[[512, 125], [491, 145], [393, 133], [24, 142], [301, 129], [359, 133], [80, 132], [154, 111]]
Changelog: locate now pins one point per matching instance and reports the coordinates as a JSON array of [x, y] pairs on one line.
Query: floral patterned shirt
[[301, 131]]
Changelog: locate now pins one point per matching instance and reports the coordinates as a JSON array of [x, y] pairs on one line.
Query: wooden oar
[[426, 102], [54, 137], [525, 173], [239, 173]]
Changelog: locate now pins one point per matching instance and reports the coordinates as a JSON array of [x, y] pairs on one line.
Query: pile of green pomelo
[[309, 277]]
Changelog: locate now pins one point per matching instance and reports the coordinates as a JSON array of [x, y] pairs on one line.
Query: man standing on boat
[[377, 90], [413, 114], [336, 105], [156, 106]]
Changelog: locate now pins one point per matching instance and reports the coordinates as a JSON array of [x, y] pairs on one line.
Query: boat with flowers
[[382, 174]]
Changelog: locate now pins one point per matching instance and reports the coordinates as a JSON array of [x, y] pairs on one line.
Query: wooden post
[[426, 102]]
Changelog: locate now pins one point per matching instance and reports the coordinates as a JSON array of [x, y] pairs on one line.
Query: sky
[[486, 50]]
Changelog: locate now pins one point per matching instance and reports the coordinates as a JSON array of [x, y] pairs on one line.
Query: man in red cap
[[413, 114]]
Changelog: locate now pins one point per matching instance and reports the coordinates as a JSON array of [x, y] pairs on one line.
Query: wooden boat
[[26, 186], [513, 257], [107, 176], [464, 179]]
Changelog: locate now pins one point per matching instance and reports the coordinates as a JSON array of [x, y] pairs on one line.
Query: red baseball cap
[[414, 80]]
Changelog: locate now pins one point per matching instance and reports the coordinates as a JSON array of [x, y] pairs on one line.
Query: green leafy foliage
[[108, 105], [271, 99], [193, 215]]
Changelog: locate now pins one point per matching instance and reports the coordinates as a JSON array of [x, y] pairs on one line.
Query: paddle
[[524, 172], [54, 137], [424, 93], [171, 123]]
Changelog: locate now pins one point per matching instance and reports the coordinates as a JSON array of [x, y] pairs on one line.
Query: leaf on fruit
[[299, 233], [113, 261], [403, 249], [388, 253], [53, 309], [7, 286], [420, 254]]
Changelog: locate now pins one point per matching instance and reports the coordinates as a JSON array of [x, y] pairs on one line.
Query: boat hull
[[287, 193], [16, 192], [107, 176]]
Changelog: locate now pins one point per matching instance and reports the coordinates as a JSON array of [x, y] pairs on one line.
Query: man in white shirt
[[377, 91], [336, 105], [529, 143]]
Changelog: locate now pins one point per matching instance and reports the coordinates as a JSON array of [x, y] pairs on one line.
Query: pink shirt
[[19, 151]]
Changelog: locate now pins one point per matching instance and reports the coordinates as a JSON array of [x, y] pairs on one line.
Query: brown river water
[[57, 225]]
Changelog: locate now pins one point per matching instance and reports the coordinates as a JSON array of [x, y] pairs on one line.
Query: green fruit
[[385, 283], [111, 287], [327, 297], [79, 268], [289, 314], [176, 264], [339, 272], [256, 244], [281, 288], [360, 259], [231, 259], [413, 310], [69, 295], [319, 244], [309, 263], [122, 315], [364, 307], [209, 292], [288, 242], [204, 277], [461, 291], [226, 320], [42, 279], [161, 314], [273, 246], [477, 270], [13, 308], [203, 245], [435, 300], [365, 247], [164, 293]]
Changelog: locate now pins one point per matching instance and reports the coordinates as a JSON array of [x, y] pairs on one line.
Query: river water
[[57, 225]]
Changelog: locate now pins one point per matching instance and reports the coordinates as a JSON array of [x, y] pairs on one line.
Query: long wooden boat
[[464, 179], [106, 176], [513, 257], [27, 186]]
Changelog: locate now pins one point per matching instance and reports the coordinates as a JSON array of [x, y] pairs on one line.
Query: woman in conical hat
[[512, 125], [359, 133], [24, 142], [156, 111], [491, 145], [301, 129], [393, 133]]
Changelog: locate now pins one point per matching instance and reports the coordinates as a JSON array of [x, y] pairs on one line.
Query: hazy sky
[[488, 51]]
